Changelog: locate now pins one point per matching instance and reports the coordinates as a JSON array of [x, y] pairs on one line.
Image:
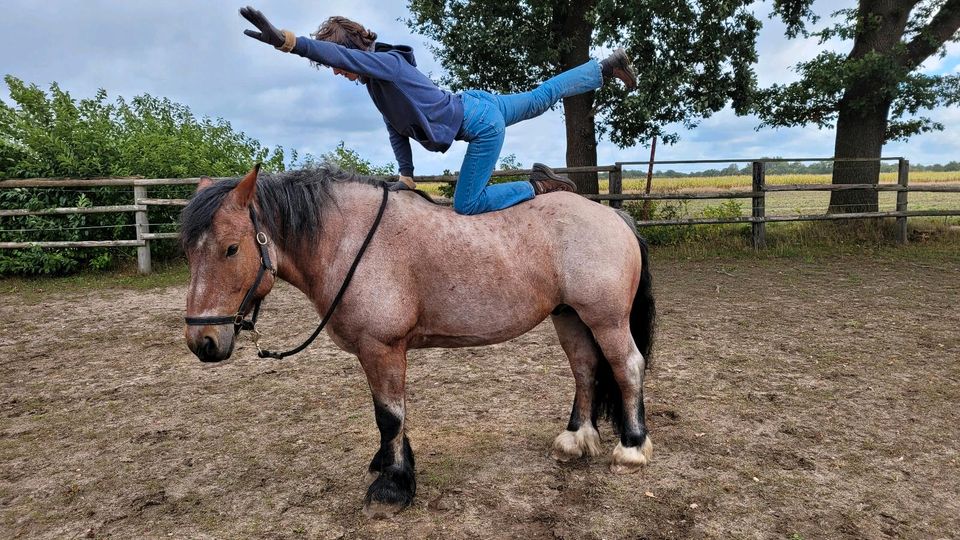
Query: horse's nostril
[[209, 347]]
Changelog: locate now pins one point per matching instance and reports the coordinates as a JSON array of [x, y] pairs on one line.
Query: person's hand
[[268, 33]]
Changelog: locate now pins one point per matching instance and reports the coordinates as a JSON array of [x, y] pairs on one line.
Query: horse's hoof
[[570, 445], [628, 460], [390, 492], [381, 510]]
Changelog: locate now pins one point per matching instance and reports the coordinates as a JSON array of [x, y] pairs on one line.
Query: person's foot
[[544, 180], [618, 65]]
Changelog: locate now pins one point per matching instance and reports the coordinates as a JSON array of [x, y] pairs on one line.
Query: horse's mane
[[290, 203]]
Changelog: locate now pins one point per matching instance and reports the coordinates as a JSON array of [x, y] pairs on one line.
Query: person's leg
[[484, 128], [526, 105]]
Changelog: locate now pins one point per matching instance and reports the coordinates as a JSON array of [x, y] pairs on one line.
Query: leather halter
[[239, 323], [237, 320]]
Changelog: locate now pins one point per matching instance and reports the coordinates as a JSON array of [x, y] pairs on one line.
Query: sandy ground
[[788, 399]]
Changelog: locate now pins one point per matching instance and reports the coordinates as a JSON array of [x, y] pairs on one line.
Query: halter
[[238, 321]]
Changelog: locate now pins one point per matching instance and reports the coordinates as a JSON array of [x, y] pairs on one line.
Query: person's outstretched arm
[[369, 64]]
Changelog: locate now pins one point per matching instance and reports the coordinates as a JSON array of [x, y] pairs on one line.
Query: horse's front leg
[[392, 468]]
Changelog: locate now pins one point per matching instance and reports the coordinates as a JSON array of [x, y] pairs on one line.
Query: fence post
[[903, 178], [758, 224], [143, 227], [615, 184]]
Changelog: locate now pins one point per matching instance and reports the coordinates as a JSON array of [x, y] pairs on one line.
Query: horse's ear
[[247, 187], [204, 183]]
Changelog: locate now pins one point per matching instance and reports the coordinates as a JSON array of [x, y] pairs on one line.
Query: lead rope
[[336, 301]]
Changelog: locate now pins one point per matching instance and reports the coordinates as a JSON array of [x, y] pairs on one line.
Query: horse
[[430, 278]]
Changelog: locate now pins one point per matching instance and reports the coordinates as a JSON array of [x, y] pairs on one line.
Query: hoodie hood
[[405, 51]]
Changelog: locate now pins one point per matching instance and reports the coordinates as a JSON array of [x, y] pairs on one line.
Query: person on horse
[[413, 107]]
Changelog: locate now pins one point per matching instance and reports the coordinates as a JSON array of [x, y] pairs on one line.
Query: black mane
[[290, 204]]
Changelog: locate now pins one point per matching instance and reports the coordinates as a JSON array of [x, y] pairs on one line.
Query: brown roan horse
[[432, 278]]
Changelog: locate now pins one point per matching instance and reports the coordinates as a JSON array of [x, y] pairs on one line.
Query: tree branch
[[941, 28]]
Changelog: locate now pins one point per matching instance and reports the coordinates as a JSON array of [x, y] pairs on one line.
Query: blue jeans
[[486, 115]]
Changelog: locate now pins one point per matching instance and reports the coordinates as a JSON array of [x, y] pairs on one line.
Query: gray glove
[[268, 33]]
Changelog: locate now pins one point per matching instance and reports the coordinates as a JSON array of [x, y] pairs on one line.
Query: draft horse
[[430, 278]]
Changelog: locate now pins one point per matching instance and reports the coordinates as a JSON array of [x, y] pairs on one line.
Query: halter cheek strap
[[237, 320]]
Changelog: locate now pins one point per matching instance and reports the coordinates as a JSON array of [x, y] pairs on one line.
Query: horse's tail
[[607, 399]]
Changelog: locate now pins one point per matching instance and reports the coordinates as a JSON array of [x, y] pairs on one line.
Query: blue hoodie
[[412, 106]]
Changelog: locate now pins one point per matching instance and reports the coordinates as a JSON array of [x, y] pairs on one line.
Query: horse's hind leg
[[634, 449], [392, 468], [581, 436]]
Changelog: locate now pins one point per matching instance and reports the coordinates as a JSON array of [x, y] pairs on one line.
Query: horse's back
[[506, 271]]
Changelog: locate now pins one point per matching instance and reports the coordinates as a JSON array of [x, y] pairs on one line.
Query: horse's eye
[[232, 250]]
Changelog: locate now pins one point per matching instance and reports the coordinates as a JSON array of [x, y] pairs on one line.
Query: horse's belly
[[494, 316]]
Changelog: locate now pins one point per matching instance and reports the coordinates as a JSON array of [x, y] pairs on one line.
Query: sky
[[195, 53]]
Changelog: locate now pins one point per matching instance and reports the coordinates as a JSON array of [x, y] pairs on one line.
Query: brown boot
[[618, 65], [544, 180]]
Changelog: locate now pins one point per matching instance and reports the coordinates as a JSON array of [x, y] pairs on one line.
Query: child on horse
[[413, 107]]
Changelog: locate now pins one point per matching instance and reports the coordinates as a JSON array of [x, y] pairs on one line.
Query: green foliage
[[693, 56], [879, 74], [668, 235], [52, 135], [507, 163], [350, 160]]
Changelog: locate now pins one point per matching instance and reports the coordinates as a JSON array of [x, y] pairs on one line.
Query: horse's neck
[[318, 269]]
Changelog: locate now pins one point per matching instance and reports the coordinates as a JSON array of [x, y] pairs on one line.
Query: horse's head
[[231, 266]]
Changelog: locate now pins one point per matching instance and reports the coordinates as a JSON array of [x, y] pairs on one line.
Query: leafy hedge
[[52, 135]]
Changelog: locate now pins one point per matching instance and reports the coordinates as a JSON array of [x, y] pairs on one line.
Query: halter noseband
[[237, 320]]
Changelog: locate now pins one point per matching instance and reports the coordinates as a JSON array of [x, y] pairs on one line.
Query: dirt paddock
[[788, 399]]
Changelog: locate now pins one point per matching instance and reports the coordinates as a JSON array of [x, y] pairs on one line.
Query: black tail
[[607, 399]]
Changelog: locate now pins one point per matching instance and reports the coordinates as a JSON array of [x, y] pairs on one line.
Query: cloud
[[195, 53]]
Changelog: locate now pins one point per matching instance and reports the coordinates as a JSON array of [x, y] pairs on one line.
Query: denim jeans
[[486, 115]]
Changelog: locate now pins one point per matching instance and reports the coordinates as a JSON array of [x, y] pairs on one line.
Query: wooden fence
[[615, 197]]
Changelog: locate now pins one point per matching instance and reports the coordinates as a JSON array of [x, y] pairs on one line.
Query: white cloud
[[195, 53]]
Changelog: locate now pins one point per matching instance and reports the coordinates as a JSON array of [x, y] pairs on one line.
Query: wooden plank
[[932, 188], [695, 221], [834, 187], [764, 160], [160, 236], [673, 196], [70, 211], [903, 177], [164, 202], [144, 264], [615, 187], [758, 228], [84, 244]]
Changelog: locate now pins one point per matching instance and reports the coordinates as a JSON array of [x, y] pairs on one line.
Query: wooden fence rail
[[614, 197]]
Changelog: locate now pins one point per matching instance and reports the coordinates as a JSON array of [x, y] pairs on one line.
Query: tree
[[873, 94], [693, 57]]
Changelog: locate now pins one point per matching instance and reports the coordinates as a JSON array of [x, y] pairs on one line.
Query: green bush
[[679, 209], [52, 135]]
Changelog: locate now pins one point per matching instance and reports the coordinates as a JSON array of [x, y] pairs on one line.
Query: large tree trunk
[[577, 30], [865, 106], [860, 134]]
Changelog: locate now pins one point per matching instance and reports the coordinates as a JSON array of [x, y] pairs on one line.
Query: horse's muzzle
[[210, 343]]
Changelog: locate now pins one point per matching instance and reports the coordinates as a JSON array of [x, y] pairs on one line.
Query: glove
[[283, 40]]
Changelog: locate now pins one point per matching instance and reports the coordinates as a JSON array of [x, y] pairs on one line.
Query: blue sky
[[195, 53]]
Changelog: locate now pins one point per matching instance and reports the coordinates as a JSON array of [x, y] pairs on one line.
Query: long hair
[[343, 31]]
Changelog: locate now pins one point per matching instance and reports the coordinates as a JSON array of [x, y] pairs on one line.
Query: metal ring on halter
[[262, 241]]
